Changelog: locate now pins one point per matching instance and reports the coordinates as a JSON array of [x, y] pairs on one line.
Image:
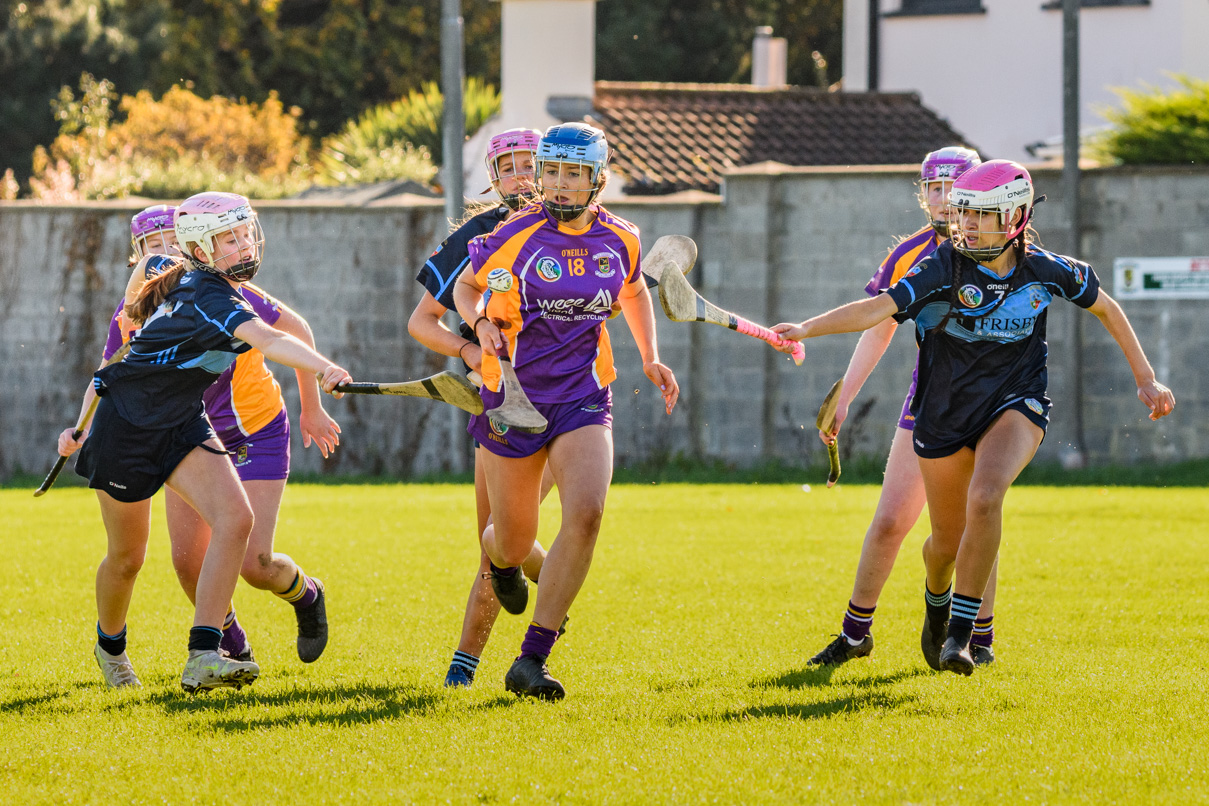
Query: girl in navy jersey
[[510, 165], [902, 495], [555, 270], [150, 427], [979, 305]]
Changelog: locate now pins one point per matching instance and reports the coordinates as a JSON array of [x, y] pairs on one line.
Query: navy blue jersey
[[992, 353], [442, 268], [178, 352]]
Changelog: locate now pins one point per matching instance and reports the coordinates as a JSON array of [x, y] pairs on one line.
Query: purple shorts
[[595, 409], [907, 419], [263, 456]]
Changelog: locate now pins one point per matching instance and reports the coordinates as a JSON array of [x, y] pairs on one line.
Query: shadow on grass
[[861, 701], [35, 702], [338, 705], [812, 676]]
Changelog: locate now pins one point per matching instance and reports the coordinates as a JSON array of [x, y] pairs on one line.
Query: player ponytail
[[155, 291]]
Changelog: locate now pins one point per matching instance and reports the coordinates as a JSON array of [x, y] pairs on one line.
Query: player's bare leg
[[945, 480], [127, 529]]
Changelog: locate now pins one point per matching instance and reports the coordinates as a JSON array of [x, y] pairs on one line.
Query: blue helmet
[[576, 144]]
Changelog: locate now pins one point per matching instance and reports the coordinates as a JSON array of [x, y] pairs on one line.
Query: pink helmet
[[203, 216], [148, 222], [508, 142], [998, 186]]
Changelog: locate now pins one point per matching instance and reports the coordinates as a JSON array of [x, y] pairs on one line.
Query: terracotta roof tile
[[673, 137]]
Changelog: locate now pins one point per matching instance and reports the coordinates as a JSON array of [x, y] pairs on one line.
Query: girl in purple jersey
[[979, 304], [155, 431], [555, 271], [902, 495], [510, 165]]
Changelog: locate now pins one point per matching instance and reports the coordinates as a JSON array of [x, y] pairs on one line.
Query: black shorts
[[1035, 409], [132, 463]]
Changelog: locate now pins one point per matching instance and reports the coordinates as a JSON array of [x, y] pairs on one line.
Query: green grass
[[684, 661]]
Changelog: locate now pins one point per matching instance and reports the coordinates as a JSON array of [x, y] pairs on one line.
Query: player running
[[902, 495], [150, 427], [555, 270], [979, 303], [510, 166]]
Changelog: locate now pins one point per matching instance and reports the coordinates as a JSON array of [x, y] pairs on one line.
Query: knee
[[583, 521], [235, 524], [514, 554], [888, 530], [127, 564], [984, 502]]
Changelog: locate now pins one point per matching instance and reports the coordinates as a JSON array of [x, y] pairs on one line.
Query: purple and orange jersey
[[554, 287], [245, 397], [902, 259]]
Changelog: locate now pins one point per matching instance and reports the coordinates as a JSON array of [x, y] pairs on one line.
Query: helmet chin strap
[[241, 274]]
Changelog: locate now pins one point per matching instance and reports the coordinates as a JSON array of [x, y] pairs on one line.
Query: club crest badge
[[499, 428], [1035, 407], [604, 265], [499, 280], [549, 269], [970, 296]]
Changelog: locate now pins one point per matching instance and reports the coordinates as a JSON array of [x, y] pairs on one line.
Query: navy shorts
[[595, 409], [263, 456], [132, 463], [1035, 409]]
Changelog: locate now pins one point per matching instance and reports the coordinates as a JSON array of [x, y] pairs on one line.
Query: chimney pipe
[[769, 58]]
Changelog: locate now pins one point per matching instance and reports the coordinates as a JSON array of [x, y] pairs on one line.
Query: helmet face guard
[[943, 167], [565, 152], [508, 143], [152, 221], [996, 190], [226, 228]]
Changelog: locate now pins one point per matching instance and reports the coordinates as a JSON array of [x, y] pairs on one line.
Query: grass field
[[684, 662]]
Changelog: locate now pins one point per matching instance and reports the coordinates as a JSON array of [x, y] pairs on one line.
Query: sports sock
[[503, 572], [938, 601], [538, 641], [302, 591], [113, 644], [204, 639], [234, 639], [857, 622], [984, 631], [467, 661], [961, 624]]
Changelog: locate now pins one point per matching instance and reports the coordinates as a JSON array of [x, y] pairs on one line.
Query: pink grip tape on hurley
[[764, 334]]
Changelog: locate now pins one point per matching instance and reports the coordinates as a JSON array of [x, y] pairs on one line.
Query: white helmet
[[203, 216]]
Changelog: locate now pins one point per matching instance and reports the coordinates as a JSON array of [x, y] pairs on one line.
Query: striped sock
[[984, 631], [204, 639], [938, 600], [961, 624], [113, 644], [538, 641], [467, 661], [234, 639], [857, 622], [302, 591]]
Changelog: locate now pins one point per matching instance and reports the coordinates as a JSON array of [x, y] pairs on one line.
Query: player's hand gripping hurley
[[826, 423], [448, 387], [682, 303]]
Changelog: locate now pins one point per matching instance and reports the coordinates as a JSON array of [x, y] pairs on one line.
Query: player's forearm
[[1115, 322], [467, 297], [428, 329], [294, 325], [851, 318], [639, 314], [89, 396], [869, 351]]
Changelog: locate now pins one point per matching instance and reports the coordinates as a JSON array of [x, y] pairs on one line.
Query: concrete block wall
[[781, 245]]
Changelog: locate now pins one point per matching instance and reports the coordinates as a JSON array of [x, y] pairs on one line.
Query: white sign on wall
[[1161, 278]]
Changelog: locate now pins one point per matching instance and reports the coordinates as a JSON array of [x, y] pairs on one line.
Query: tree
[[710, 40], [1159, 127]]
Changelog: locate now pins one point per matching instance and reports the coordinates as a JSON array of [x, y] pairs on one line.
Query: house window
[[916, 8], [1056, 5]]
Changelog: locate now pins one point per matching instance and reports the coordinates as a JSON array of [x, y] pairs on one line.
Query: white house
[[993, 68]]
